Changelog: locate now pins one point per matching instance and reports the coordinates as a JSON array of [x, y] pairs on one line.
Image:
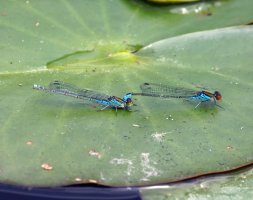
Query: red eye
[[217, 95]]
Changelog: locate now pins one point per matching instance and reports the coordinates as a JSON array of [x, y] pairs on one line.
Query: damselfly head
[[217, 95], [129, 102], [127, 99]]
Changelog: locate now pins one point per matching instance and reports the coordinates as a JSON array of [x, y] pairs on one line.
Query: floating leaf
[[70, 134]]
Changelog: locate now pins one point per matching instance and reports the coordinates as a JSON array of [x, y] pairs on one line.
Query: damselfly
[[165, 91], [67, 89]]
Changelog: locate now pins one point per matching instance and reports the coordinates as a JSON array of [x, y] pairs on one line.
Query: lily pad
[[55, 140], [159, 141], [35, 32]]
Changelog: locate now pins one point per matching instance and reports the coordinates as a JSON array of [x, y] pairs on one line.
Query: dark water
[[87, 192]]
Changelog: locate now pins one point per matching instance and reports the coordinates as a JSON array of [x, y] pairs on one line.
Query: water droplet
[[184, 11], [198, 8]]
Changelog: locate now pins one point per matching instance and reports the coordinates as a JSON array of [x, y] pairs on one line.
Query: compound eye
[[129, 101], [217, 95]]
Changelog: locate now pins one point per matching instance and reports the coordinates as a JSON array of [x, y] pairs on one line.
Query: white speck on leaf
[[92, 181], [159, 137], [95, 153], [46, 167], [78, 179], [123, 161], [147, 168], [136, 125]]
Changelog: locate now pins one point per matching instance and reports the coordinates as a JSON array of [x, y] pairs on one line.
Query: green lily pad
[[159, 141], [35, 32], [171, 1], [55, 140]]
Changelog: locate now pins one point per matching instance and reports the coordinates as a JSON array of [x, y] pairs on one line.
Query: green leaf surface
[[171, 1], [237, 186], [160, 140], [35, 32]]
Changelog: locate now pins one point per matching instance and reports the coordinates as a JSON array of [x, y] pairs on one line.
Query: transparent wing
[[71, 90], [165, 91]]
